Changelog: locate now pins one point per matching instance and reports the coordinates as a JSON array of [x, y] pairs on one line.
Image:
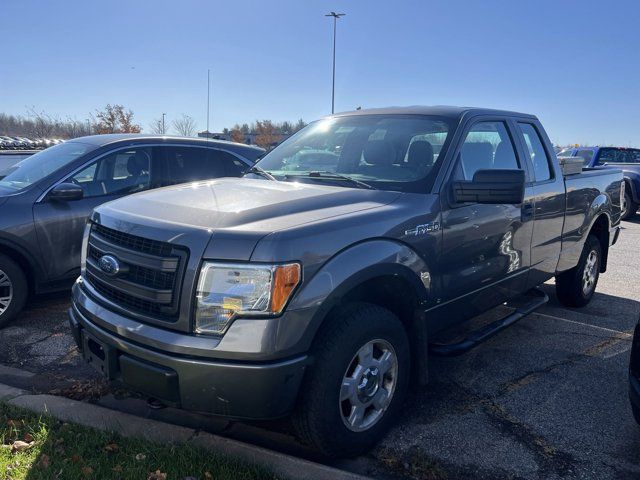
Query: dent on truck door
[[549, 205], [486, 248]]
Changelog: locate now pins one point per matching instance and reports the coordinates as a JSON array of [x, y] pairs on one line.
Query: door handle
[[527, 211]]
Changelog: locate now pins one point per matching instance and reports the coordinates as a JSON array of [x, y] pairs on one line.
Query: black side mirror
[[491, 186], [66, 192]]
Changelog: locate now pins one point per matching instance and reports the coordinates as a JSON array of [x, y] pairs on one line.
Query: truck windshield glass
[[392, 152], [38, 166]]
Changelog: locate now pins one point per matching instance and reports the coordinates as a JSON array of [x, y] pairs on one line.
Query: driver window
[[486, 146], [119, 173]]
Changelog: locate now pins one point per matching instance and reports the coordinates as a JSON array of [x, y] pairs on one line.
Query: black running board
[[475, 338]]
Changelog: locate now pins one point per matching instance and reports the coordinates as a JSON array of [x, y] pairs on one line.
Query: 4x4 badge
[[423, 229]]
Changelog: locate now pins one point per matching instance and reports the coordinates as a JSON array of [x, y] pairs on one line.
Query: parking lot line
[[617, 332]]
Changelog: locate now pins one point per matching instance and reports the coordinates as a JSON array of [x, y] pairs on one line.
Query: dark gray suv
[[45, 199]]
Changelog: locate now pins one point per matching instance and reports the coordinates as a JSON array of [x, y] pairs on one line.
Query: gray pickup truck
[[316, 285]]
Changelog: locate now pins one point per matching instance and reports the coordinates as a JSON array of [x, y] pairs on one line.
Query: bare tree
[[158, 127], [185, 126], [42, 125], [115, 119]]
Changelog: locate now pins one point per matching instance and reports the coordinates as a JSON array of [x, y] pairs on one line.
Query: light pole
[[335, 16], [163, 130], [208, 97]]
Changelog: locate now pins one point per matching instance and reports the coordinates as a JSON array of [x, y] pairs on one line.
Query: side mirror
[[66, 192], [492, 187]]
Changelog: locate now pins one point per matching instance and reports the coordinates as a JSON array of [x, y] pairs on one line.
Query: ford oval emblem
[[109, 265]]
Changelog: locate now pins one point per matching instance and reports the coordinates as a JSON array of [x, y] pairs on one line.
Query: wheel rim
[[590, 272], [368, 385], [6, 292]]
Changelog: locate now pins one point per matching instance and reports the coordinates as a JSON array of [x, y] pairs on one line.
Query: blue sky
[[574, 63]]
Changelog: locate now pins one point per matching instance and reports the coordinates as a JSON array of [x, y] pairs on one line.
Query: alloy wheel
[[368, 385], [590, 273], [6, 292]]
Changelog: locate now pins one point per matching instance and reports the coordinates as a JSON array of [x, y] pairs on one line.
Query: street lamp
[[335, 16], [163, 130]]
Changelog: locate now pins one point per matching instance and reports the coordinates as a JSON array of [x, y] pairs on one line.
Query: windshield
[[38, 166], [392, 152]]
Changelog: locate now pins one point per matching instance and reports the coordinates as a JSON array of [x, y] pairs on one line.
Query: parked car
[[313, 292], [626, 159], [6, 143], [46, 199], [634, 375]]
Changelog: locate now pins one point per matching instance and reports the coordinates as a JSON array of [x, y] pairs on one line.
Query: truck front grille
[[150, 274]]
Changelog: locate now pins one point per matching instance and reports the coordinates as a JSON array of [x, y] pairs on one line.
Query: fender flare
[[351, 267]]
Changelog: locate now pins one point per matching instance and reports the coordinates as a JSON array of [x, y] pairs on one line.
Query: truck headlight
[[226, 291]]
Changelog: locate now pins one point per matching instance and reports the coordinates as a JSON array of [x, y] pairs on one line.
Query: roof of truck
[[438, 110]]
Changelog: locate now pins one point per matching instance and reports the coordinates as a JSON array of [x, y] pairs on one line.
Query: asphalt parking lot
[[545, 399]]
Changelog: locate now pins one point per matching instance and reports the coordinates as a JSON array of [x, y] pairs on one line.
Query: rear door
[[548, 200], [60, 225], [486, 248]]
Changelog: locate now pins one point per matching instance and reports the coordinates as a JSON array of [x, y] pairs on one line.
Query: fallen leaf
[[19, 446], [45, 461], [208, 476], [28, 438], [75, 458], [87, 470], [117, 468], [13, 423], [157, 475], [111, 447]]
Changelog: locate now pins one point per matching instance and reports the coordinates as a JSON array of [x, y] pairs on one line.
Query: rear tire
[[576, 287], [13, 290], [629, 208], [353, 392]]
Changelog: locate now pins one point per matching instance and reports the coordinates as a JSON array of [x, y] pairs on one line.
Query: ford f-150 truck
[[622, 158], [316, 291]]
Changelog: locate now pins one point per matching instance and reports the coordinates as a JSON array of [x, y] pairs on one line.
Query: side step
[[476, 337]]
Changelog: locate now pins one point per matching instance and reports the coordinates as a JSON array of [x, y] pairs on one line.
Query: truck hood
[[238, 210]]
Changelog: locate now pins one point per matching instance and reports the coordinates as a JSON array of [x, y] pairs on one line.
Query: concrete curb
[[131, 426]]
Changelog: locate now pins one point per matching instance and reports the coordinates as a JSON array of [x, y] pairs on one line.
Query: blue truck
[[625, 159]]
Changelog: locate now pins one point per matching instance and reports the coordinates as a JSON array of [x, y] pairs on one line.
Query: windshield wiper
[[336, 176], [263, 173]]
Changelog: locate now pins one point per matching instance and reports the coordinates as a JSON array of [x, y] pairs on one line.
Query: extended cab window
[[537, 154], [486, 146], [119, 173]]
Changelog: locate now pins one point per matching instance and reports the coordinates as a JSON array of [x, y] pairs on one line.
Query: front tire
[[576, 287], [358, 382], [13, 290]]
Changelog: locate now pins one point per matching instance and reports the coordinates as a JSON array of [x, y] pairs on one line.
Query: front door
[[60, 225], [486, 248]]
